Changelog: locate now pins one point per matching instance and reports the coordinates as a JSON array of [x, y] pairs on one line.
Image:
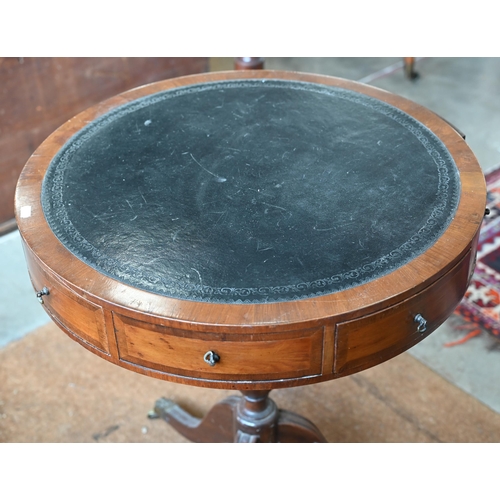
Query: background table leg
[[409, 66], [248, 63]]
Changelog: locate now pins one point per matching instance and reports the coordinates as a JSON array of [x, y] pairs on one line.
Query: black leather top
[[250, 191]]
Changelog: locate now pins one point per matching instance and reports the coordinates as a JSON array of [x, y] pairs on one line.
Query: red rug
[[480, 307]]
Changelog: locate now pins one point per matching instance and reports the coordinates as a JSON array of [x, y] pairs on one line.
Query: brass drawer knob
[[422, 323], [211, 358], [43, 291]]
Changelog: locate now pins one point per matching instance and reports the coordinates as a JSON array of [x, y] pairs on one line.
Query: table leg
[[248, 63], [251, 418], [409, 67]]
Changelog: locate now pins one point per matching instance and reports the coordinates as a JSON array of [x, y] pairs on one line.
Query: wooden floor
[[53, 390]]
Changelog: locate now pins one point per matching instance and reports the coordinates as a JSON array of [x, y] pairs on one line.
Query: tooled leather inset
[[251, 191]]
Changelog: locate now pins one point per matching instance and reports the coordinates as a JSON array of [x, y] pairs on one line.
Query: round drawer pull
[[43, 291], [422, 323], [211, 358]]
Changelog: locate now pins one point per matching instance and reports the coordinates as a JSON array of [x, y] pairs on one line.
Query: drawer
[[264, 356], [78, 316], [370, 340]]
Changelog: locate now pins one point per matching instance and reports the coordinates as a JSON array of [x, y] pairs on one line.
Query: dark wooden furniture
[[37, 94], [248, 63], [258, 63], [251, 230]]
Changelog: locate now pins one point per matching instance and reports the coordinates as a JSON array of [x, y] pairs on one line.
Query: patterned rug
[[480, 307]]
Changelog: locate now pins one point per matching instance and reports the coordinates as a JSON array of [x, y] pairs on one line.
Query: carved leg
[[293, 428], [253, 418], [216, 427]]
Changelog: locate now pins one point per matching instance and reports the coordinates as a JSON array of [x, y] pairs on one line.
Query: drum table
[[250, 230]]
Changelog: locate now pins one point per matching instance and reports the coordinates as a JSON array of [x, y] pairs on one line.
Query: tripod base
[[251, 418]]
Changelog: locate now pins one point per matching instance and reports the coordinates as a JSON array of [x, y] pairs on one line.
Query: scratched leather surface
[[250, 190]]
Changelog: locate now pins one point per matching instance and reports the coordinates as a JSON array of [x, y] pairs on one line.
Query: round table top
[[251, 229], [251, 191]]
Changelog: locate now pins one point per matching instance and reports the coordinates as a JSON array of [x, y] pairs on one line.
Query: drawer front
[[265, 356], [78, 316], [370, 340]]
